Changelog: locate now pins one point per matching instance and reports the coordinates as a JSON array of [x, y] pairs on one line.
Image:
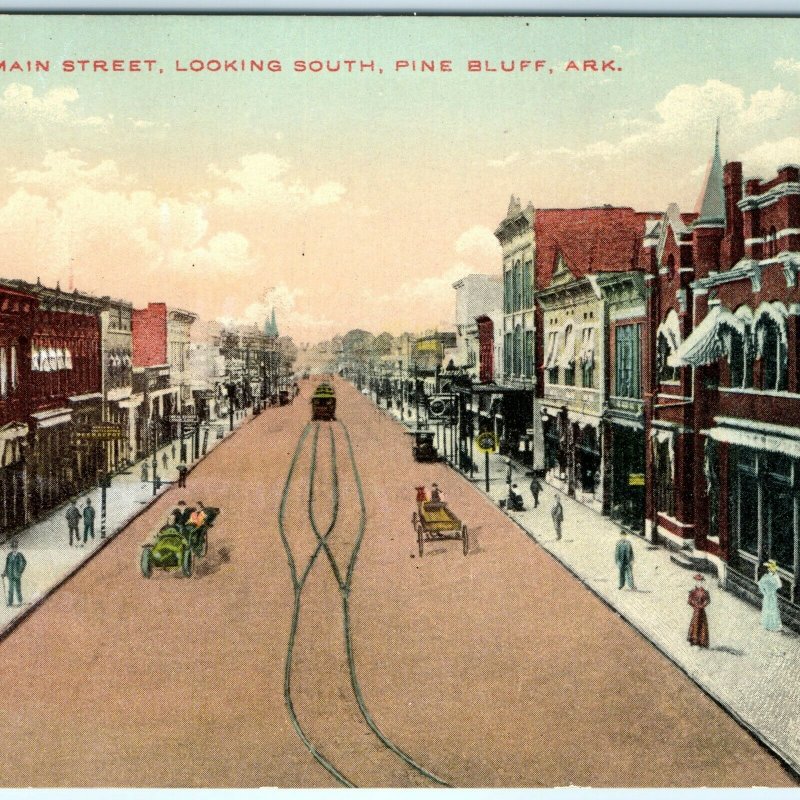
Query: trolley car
[[323, 402]]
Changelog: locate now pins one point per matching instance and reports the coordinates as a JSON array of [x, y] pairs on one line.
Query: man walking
[[557, 512], [173, 451], [509, 471], [164, 460], [145, 472], [73, 517], [88, 520], [182, 471], [536, 488], [15, 566], [623, 556]]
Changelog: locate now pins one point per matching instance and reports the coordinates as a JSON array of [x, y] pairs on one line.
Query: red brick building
[[65, 394], [16, 329], [150, 335], [724, 416], [485, 349]]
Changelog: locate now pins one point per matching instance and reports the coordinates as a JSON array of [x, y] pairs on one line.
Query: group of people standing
[[699, 597], [74, 517]]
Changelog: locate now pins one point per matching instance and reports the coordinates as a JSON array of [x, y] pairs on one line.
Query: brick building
[[725, 456], [16, 330], [590, 298]]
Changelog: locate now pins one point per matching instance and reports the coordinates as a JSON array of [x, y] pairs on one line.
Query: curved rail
[[297, 586], [344, 588]]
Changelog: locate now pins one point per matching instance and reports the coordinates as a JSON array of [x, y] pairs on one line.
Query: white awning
[[757, 440], [550, 359], [567, 358], [705, 343], [587, 346], [670, 328]]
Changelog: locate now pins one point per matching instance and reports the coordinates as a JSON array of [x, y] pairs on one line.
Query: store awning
[[785, 441], [567, 358], [551, 356], [586, 355], [705, 344]]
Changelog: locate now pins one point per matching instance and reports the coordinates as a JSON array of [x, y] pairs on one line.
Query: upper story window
[[507, 291], [771, 345], [668, 338], [568, 356], [738, 345], [551, 356], [671, 267], [527, 285], [771, 243], [628, 373], [517, 286]]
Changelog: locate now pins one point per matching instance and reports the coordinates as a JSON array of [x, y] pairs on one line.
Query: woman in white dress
[[769, 584]]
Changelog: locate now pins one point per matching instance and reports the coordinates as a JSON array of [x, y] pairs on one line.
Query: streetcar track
[[344, 589]]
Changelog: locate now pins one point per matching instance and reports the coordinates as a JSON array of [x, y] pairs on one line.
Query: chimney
[[733, 241]]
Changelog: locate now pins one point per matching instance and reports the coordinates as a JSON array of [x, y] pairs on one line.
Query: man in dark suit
[[88, 520], [73, 517], [15, 566]]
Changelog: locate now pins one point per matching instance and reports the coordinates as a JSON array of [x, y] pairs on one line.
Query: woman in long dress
[[698, 600], [768, 585]]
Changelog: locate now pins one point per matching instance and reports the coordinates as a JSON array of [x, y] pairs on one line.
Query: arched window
[[668, 339], [771, 345], [738, 344], [518, 350], [671, 267]]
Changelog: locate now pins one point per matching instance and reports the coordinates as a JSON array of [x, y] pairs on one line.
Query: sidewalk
[[45, 544], [750, 672]]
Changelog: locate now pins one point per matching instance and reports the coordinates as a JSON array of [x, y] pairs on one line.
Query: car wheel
[[146, 562], [187, 563]]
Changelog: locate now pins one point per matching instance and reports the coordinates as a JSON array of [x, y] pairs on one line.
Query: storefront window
[[628, 361]]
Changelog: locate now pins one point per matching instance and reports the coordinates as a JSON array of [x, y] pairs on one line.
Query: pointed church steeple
[[271, 327], [712, 207]]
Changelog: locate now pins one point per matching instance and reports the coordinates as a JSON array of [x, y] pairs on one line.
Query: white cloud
[[261, 180], [787, 65], [479, 241], [765, 158], [503, 162], [63, 170], [57, 105]]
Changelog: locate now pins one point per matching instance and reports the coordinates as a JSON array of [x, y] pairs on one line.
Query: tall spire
[[271, 327], [712, 207]]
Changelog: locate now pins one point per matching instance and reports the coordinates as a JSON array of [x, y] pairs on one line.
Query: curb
[[23, 615], [789, 764]]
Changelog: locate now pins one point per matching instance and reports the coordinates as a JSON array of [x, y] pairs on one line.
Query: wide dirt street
[[494, 669]]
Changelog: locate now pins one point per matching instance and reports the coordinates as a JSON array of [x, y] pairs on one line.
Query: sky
[[356, 199]]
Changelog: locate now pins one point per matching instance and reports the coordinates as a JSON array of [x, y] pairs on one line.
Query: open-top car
[[176, 546]]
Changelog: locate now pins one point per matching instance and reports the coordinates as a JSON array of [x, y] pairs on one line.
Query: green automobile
[[176, 546]]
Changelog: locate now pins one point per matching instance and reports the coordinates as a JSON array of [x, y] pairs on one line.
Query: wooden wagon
[[434, 522]]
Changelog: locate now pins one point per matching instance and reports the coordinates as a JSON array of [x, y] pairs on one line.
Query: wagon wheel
[[465, 537], [187, 562], [420, 538], [145, 562]]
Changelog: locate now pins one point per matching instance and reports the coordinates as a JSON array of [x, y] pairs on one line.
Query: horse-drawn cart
[[435, 522]]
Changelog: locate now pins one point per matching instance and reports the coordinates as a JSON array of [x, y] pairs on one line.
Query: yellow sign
[[486, 441], [636, 479]]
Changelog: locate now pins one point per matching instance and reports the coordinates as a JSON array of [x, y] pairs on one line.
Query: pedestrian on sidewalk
[[15, 566], [623, 556], [73, 517], [173, 451], [768, 586], [536, 488], [182, 472], [699, 598], [145, 471], [557, 513], [88, 520], [164, 460], [509, 471]]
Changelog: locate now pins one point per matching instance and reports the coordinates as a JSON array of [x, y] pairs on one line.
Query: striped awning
[[706, 344]]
